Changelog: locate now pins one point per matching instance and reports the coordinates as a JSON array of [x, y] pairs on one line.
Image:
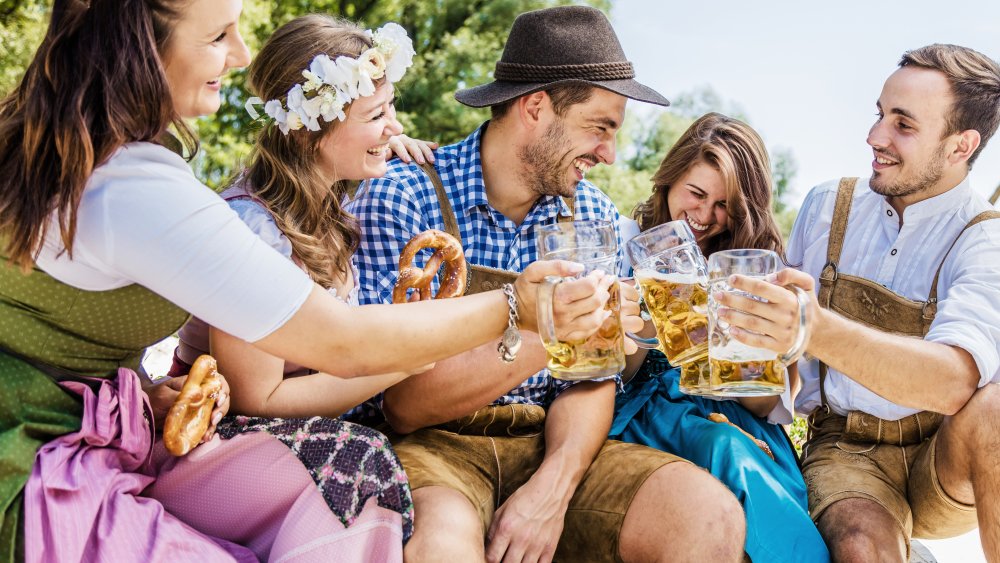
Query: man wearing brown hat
[[502, 451]]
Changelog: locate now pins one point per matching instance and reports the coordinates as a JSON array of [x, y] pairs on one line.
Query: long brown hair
[[738, 153], [283, 170], [95, 84]]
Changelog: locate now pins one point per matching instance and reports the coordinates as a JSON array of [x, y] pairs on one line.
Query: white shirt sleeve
[[145, 219]]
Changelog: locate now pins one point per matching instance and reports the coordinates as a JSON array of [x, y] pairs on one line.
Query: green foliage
[[457, 44], [22, 25]]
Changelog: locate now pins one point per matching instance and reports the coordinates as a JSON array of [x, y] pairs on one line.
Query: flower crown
[[332, 84]]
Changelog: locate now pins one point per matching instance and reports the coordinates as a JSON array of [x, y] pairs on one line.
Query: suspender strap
[[835, 244], [448, 212], [450, 222], [932, 299]]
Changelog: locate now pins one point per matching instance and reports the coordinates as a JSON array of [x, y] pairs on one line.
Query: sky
[[806, 74]]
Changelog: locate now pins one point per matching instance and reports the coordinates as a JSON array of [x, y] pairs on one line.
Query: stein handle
[[799, 346], [546, 321], [644, 343]]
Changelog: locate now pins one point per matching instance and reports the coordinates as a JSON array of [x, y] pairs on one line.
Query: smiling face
[[203, 46], [356, 148], [573, 143], [699, 198], [909, 139]]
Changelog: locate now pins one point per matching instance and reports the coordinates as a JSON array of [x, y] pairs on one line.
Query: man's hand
[[773, 324], [527, 527]]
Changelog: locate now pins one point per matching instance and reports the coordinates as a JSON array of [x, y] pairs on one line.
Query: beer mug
[[595, 245], [673, 280], [737, 369]]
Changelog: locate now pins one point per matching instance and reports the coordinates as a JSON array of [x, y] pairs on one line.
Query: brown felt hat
[[558, 46]]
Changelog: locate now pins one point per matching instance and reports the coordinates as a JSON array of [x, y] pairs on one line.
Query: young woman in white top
[[122, 239]]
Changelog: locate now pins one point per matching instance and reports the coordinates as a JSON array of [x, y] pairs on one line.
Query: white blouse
[[144, 218]]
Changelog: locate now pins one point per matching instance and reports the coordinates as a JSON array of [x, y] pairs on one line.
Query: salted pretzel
[[446, 250], [191, 412], [719, 417]]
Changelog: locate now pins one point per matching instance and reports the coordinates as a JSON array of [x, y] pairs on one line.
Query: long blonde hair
[[283, 170], [738, 153]]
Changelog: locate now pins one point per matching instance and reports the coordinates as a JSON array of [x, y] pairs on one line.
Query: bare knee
[[687, 504], [445, 525], [861, 530]]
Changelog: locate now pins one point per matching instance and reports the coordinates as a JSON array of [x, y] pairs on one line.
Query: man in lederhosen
[[506, 462], [905, 328]]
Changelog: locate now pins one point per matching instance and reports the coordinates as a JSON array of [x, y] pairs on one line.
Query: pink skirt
[[108, 493]]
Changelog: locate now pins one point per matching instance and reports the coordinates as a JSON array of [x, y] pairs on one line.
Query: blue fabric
[[401, 204], [652, 411]]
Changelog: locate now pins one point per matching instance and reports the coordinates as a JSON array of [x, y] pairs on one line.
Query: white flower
[[372, 63], [392, 41], [296, 97], [294, 122], [313, 81], [332, 106], [335, 83]]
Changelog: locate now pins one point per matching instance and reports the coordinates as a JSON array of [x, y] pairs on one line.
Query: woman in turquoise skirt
[[717, 179]]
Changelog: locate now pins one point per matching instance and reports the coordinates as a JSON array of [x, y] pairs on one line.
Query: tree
[[457, 44]]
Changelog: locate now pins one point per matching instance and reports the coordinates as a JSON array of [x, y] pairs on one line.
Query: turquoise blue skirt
[[652, 411]]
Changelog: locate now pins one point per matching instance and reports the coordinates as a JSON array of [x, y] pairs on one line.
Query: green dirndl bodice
[[90, 333]]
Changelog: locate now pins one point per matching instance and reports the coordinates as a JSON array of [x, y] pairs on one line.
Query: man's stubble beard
[[929, 175], [542, 169]]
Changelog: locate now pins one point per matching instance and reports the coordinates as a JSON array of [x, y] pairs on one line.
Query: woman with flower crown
[[108, 242]]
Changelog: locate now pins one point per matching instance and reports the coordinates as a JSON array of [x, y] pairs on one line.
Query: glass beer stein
[[673, 280], [595, 245], [736, 368]]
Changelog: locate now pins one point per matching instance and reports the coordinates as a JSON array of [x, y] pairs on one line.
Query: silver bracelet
[[510, 342]]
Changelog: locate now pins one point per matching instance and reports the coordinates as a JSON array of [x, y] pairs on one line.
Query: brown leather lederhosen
[[481, 278], [878, 307]]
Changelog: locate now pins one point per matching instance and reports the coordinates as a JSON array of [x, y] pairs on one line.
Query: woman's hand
[[163, 395], [577, 304], [407, 149], [631, 321]]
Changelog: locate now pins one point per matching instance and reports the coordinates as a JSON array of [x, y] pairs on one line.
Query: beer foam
[[689, 278], [736, 351]]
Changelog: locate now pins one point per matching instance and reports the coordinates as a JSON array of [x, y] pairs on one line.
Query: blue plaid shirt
[[403, 203]]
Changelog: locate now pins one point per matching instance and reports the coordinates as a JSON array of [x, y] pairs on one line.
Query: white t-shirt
[[904, 260], [144, 218]]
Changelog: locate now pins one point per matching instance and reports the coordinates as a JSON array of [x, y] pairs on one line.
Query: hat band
[[517, 72]]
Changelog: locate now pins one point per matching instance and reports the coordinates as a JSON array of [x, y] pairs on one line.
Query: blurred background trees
[[457, 44]]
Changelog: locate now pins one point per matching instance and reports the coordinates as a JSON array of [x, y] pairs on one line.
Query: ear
[[531, 108], [966, 144]]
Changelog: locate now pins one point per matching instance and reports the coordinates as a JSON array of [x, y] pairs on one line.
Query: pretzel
[[719, 417], [191, 412], [447, 250]]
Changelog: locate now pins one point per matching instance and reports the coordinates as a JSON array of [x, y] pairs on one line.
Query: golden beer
[[677, 303], [747, 377], [696, 377], [601, 354]]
